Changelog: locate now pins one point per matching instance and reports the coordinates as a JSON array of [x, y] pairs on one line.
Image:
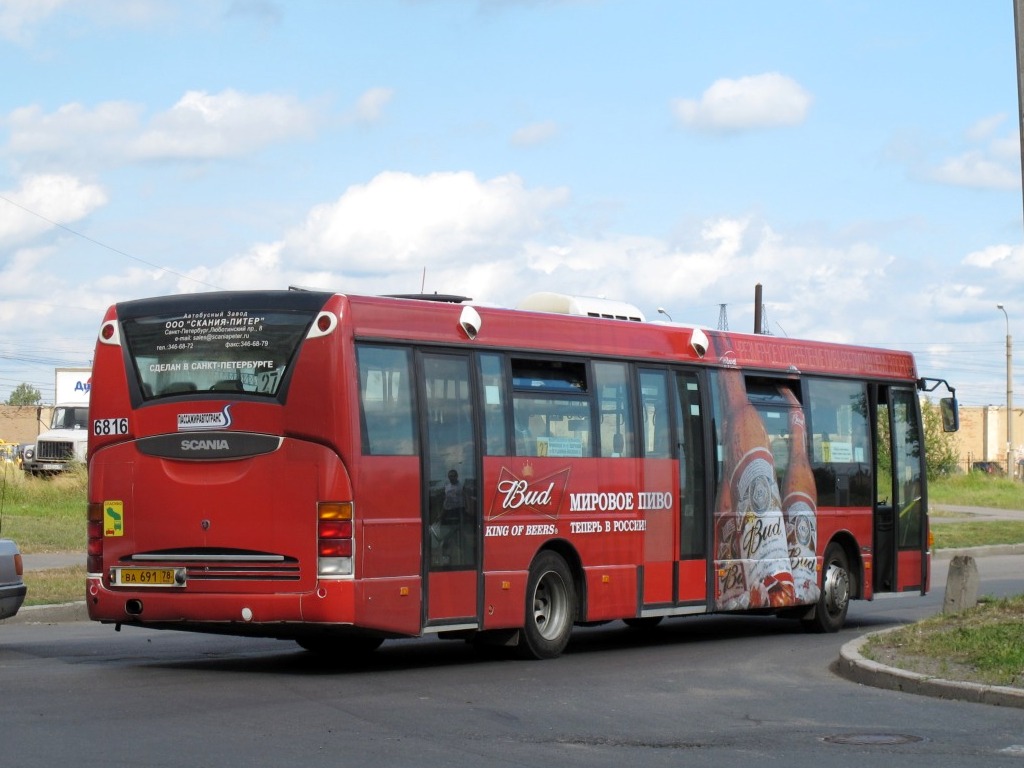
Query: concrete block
[[961, 585]]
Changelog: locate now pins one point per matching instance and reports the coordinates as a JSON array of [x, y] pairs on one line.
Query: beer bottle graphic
[[732, 594], [800, 506], [749, 472]]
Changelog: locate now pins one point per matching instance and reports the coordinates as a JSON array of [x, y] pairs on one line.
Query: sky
[[859, 159]]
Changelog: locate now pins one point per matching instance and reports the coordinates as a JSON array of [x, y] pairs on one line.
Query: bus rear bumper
[[331, 603], [389, 607]]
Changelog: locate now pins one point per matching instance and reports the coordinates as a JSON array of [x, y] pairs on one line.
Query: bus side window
[[841, 456], [552, 426], [615, 409], [385, 400], [655, 415], [494, 394], [551, 406]]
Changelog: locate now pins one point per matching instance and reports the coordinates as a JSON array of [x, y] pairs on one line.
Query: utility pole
[[1018, 31], [1011, 458]]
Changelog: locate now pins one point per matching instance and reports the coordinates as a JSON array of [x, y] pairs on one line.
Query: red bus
[[339, 470]]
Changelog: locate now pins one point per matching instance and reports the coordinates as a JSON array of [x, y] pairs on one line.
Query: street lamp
[[661, 311], [1011, 462]]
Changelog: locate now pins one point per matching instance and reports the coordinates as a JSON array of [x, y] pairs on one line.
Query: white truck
[[65, 443]]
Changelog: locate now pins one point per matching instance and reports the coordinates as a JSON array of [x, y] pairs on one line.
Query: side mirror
[[950, 414]]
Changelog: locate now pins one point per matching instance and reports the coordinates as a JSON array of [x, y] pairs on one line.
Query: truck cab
[[63, 445]]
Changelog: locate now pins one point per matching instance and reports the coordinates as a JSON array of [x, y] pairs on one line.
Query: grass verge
[[976, 489], [43, 514], [980, 533], [55, 585], [982, 645]]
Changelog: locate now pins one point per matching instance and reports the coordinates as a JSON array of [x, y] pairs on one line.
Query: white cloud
[[535, 134], [201, 126], [230, 123], [989, 161], [953, 301], [748, 103], [379, 237], [370, 105], [20, 20], [976, 169], [18, 16], [985, 128], [401, 219], [497, 241], [1005, 261], [72, 130], [25, 273], [52, 198]]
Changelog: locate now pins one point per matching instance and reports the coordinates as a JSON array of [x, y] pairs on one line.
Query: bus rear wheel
[[550, 608], [834, 600]]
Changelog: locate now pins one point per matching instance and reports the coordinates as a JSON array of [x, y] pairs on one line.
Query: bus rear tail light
[[334, 539], [110, 333], [94, 542]]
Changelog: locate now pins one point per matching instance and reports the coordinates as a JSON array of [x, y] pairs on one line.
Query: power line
[[104, 245]]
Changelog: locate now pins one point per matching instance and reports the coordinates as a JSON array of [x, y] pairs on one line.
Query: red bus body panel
[[629, 558]]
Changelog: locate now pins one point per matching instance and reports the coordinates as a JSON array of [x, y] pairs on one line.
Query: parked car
[[12, 586]]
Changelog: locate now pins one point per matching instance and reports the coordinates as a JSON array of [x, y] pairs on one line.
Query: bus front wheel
[[550, 608], [834, 600]]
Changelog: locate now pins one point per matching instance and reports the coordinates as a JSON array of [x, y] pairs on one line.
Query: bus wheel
[[550, 608], [834, 601]]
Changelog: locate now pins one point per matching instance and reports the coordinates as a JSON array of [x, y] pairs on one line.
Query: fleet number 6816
[[104, 427]]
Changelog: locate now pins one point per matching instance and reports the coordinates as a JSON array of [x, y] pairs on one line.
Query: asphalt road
[[714, 691]]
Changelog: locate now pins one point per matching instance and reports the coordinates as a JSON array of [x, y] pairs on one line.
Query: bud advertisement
[[765, 530]]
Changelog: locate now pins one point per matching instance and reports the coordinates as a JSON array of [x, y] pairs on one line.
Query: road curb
[[990, 550], [50, 614], [855, 667]]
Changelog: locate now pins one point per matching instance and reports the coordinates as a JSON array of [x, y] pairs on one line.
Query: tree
[[25, 394]]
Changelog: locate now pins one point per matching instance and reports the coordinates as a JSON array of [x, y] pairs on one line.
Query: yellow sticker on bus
[[113, 518]]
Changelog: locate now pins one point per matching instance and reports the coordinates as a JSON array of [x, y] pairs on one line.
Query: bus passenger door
[[693, 583], [451, 492], [675, 559], [900, 530]]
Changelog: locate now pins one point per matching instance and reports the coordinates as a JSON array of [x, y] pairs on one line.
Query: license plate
[[147, 577]]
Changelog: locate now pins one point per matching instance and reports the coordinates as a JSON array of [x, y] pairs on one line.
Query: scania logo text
[[205, 445]]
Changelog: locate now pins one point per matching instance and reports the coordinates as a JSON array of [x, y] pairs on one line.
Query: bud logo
[[542, 496], [188, 422]]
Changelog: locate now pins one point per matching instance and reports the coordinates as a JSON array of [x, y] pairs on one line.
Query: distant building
[[21, 423], [982, 435]]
